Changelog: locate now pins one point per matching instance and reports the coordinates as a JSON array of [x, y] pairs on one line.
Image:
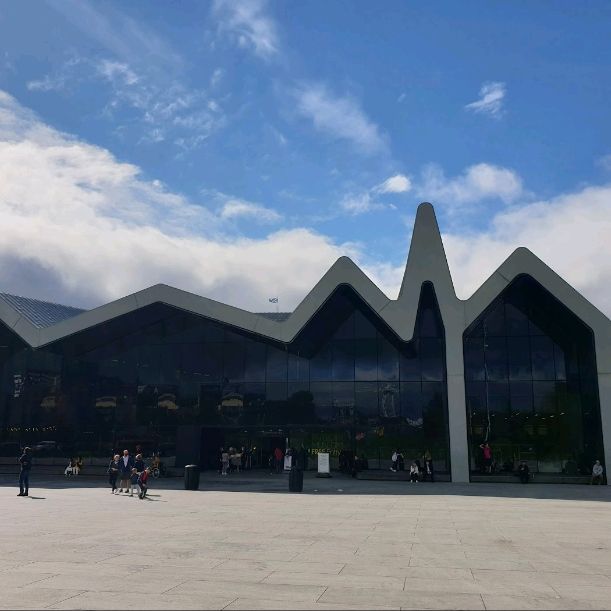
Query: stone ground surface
[[243, 542]]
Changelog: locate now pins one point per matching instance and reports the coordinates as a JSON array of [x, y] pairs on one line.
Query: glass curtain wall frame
[[531, 384]]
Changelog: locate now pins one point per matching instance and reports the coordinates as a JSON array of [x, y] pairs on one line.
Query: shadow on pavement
[[339, 485]]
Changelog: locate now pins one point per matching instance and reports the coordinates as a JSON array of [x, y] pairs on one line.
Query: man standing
[[279, 456], [24, 473], [126, 465], [524, 472]]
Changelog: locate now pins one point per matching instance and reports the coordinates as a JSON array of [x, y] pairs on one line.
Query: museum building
[[524, 364]]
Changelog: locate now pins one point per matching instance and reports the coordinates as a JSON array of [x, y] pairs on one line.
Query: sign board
[[323, 463], [288, 461]]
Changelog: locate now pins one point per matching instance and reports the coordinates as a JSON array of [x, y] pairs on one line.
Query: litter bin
[[191, 477], [295, 480]]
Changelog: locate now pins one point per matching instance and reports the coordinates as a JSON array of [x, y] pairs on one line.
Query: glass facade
[[346, 383], [531, 384]]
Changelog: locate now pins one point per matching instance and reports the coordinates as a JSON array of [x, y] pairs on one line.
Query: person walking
[[279, 458], [224, 462], [126, 464], [395, 461], [597, 473], [143, 479], [524, 472], [487, 456], [139, 464], [113, 472], [25, 462]]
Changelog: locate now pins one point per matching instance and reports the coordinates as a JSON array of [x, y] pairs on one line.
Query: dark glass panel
[[255, 362], [346, 329], [388, 360], [321, 364], [363, 329], [495, 351], [343, 400], [494, 323], [233, 361], [429, 325], [559, 362], [516, 321], [521, 396], [212, 362], [366, 402], [322, 397], [544, 395], [411, 403], [276, 364], [298, 367], [214, 332], [410, 362], [542, 351], [389, 399], [343, 360], [366, 360], [518, 352], [149, 357], [474, 358], [431, 359]]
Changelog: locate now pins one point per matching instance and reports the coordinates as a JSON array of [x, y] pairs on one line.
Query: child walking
[[143, 482], [134, 482]]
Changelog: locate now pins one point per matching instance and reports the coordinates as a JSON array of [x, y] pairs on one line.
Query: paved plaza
[[246, 543]]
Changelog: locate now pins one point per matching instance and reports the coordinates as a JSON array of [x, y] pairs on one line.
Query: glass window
[[366, 401], [410, 362], [495, 352], [366, 360], [388, 360], [411, 403], [212, 361], [343, 360], [343, 400], [518, 352], [276, 364], [515, 320], [346, 329], [474, 358], [321, 364], [233, 361], [255, 363], [322, 397], [363, 327], [389, 400], [494, 323], [431, 359], [298, 367], [542, 351]]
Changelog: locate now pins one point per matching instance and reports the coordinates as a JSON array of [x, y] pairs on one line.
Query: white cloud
[[491, 99], [604, 162], [339, 118], [248, 24], [238, 208], [570, 233], [477, 183], [80, 227], [360, 203], [399, 183], [117, 71]]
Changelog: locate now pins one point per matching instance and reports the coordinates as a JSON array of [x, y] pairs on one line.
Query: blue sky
[[236, 133]]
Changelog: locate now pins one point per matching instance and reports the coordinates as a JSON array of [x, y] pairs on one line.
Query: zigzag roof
[[426, 262]]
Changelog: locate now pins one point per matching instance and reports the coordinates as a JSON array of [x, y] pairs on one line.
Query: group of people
[[75, 466], [132, 474], [420, 469], [233, 460]]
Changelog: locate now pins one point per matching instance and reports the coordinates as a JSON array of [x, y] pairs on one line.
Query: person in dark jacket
[[524, 472], [126, 464], [113, 472], [139, 464], [143, 479], [25, 462]]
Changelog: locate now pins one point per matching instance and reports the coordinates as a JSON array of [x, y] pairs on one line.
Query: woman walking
[[113, 472]]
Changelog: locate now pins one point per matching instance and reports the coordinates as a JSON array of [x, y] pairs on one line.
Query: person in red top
[[487, 454], [143, 479], [279, 457]]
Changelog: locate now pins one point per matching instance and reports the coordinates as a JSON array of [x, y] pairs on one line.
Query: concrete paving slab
[[249, 545]]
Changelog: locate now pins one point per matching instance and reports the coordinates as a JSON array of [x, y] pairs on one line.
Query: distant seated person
[[523, 472], [78, 465], [70, 468], [597, 473], [414, 473]]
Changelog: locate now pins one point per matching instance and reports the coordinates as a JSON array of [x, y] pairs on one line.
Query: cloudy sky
[[237, 148]]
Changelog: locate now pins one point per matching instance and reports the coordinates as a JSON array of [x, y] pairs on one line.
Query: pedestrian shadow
[[37, 498]]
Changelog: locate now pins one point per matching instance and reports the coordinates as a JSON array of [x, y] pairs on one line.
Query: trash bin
[[191, 477], [295, 480]]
